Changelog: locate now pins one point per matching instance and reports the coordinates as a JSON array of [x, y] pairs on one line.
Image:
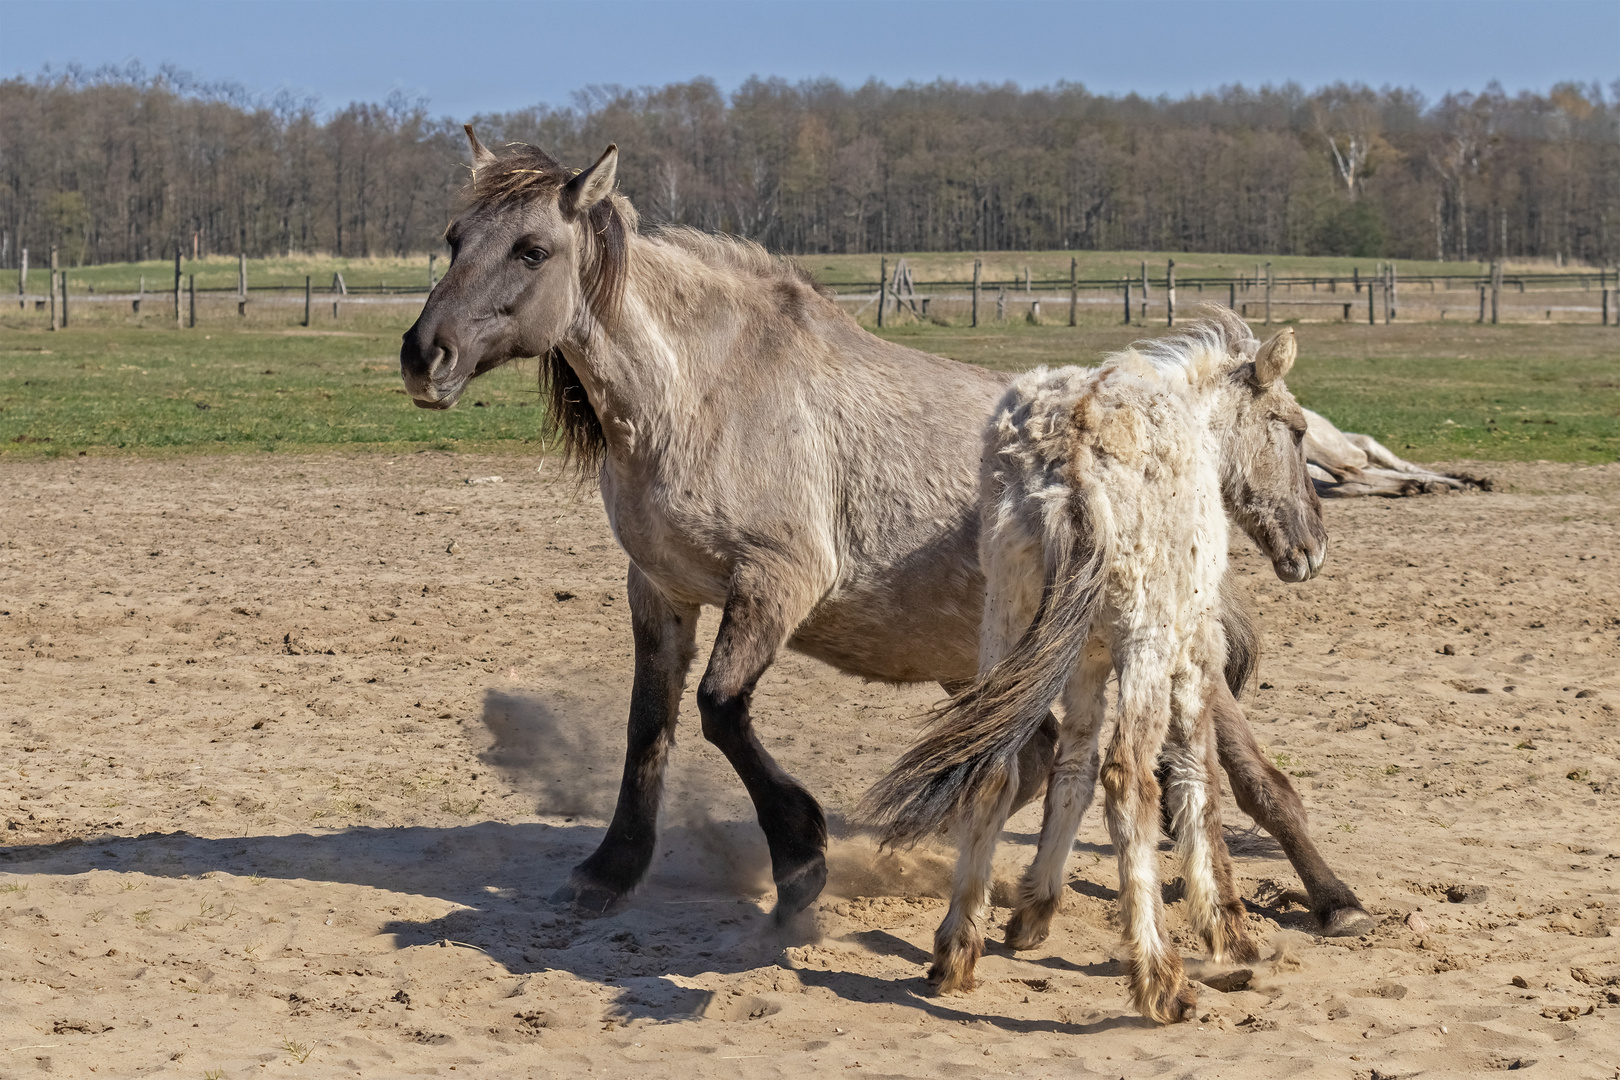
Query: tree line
[[119, 164]]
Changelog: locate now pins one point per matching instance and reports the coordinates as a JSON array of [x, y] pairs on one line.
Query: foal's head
[[540, 253], [1264, 482]]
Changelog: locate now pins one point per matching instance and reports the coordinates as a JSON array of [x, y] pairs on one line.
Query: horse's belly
[[899, 631]]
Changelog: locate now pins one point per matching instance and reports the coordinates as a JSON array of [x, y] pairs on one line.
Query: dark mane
[[522, 173], [578, 427]]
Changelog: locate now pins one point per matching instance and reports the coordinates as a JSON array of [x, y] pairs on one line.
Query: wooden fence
[[1386, 296]]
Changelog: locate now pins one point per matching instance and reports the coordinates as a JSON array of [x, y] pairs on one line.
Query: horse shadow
[[701, 912]]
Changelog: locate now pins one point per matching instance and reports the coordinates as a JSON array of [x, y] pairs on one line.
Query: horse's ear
[[1275, 358], [591, 186], [481, 155]]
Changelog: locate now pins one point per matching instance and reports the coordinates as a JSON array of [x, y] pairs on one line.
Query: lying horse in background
[[758, 451], [1103, 506]]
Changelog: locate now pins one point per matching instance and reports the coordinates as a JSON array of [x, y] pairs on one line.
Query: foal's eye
[[533, 257]]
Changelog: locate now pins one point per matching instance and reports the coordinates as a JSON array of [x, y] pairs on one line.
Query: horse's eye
[[533, 257]]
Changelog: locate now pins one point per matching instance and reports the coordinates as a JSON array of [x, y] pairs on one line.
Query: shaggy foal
[[1104, 544]]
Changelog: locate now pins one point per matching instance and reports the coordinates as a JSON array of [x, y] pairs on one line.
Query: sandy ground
[[285, 784]]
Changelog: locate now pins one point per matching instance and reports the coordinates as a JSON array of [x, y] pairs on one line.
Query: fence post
[[1074, 291], [978, 268], [1496, 291], [1170, 294], [1372, 314], [241, 283], [1268, 294], [178, 321], [433, 280], [135, 308], [1394, 285], [1126, 281], [191, 288], [1481, 302], [1605, 307], [306, 299], [1231, 294], [1355, 275], [338, 289], [1001, 303], [22, 281], [883, 287], [63, 279], [55, 315]]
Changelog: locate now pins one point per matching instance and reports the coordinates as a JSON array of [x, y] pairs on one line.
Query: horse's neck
[[649, 375]]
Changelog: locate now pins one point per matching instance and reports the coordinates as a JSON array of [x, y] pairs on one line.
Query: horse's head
[[537, 257], [1263, 478]]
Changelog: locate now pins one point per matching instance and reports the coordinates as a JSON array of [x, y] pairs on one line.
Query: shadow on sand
[[499, 874]]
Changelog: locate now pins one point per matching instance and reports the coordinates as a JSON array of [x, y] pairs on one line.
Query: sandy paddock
[[286, 782]]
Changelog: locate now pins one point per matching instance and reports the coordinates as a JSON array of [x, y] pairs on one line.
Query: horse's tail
[[970, 749]]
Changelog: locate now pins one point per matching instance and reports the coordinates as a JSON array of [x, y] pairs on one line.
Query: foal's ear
[[481, 155], [591, 186], [1275, 358]]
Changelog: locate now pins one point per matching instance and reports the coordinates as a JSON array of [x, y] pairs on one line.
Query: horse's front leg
[[759, 615], [665, 642], [1266, 796]]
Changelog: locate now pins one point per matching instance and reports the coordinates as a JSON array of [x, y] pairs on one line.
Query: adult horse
[[759, 452]]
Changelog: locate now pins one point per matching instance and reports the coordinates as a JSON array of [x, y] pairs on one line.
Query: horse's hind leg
[[1159, 987], [753, 628], [665, 642], [959, 941], [1266, 796], [1193, 796], [1034, 758], [1068, 793]]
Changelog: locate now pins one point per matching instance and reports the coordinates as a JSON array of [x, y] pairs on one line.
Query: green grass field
[[1431, 392]]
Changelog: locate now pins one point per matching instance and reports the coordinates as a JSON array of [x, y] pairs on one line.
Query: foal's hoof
[[1347, 922], [799, 889], [589, 899], [1028, 927], [1173, 1006]]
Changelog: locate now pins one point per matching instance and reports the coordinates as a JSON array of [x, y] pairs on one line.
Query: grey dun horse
[[759, 452]]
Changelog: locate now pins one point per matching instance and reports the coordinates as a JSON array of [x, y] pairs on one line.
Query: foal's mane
[[1215, 341]]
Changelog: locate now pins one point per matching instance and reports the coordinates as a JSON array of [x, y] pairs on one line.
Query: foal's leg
[[1159, 989], [1034, 759], [665, 642], [1266, 796], [759, 615], [1193, 796], [1068, 794], [959, 941]]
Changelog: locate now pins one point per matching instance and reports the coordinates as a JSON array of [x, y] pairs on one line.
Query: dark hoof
[[1347, 922], [588, 899], [799, 889]]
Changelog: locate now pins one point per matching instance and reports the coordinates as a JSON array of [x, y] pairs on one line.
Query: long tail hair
[[971, 745]]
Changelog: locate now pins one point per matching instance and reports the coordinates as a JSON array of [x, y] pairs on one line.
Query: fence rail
[[1385, 296]]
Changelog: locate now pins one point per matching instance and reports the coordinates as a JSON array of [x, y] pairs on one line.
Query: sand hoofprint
[[285, 784]]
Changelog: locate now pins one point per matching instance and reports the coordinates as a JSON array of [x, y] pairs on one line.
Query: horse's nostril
[[443, 362]]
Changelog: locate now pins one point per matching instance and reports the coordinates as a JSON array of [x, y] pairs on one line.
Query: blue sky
[[478, 55]]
